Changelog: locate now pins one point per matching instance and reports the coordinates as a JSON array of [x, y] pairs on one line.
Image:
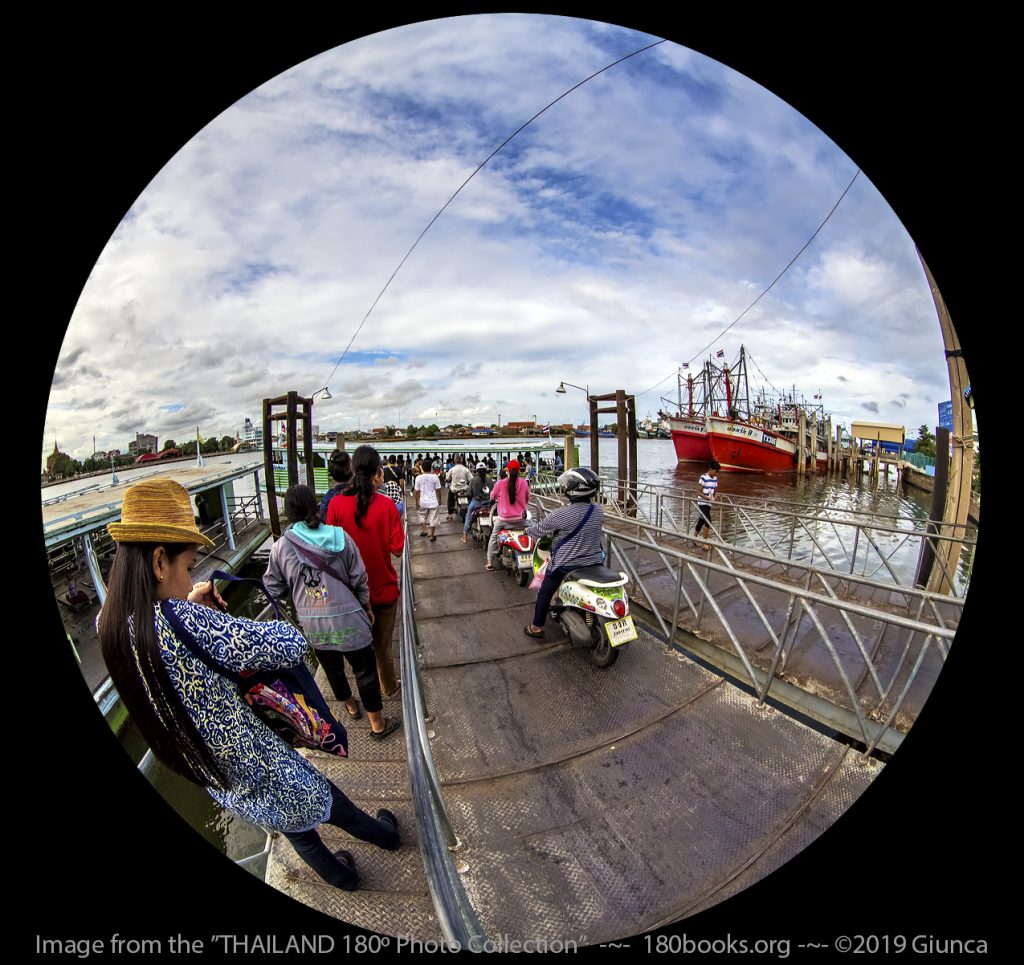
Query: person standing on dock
[[707, 486], [321, 567], [193, 717], [426, 488], [373, 522], [458, 477], [339, 468]]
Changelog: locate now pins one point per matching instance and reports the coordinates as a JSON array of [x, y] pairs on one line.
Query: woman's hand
[[206, 593], [369, 613]]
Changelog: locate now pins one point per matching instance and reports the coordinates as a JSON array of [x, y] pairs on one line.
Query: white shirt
[[427, 485], [708, 485]]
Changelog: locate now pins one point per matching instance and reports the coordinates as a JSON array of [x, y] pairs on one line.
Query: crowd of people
[[176, 656]]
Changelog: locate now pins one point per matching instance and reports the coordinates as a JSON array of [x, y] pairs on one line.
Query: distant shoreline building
[[252, 434], [142, 443]]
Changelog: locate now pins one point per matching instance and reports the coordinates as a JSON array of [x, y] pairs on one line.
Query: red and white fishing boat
[[719, 422]]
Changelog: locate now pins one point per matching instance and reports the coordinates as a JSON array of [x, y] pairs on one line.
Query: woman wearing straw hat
[[194, 720]]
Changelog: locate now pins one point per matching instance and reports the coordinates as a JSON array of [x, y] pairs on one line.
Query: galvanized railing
[[842, 540], [831, 601], [437, 839]]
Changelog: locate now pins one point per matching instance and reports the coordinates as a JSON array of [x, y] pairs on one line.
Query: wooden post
[[814, 442], [569, 450], [828, 444], [623, 455], [926, 574], [631, 427], [293, 443], [307, 441], [839, 448], [961, 469], [268, 470], [801, 436], [594, 440]]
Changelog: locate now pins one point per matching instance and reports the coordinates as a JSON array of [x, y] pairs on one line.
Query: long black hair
[[131, 651], [300, 505], [510, 484], [365, 466]]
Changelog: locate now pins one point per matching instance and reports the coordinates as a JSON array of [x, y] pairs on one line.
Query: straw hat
[[157, 511]]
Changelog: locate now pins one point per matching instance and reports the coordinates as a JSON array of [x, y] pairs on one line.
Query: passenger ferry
[[80, 550]]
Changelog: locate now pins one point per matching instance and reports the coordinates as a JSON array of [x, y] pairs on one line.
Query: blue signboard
[[946, 415]]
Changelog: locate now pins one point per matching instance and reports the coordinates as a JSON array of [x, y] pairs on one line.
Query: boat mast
[[689, 391], [746, 381]]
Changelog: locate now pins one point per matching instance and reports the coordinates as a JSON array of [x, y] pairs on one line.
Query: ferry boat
[[80, 550], [721, 423]]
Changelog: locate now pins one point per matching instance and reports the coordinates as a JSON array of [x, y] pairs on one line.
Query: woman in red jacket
[[373, 523]]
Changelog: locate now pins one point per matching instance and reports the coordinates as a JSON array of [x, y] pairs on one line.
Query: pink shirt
[[499, 494]]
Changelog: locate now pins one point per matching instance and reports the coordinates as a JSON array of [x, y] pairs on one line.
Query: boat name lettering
[[740, 430], [768, 440]]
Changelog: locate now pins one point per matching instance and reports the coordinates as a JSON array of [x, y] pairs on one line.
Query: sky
[[613, 239]]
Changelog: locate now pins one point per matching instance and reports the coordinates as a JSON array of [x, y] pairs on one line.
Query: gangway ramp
[[593, 804]]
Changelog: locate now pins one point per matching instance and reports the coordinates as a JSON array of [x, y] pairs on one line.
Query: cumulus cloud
[[615, 237], [870, 407]]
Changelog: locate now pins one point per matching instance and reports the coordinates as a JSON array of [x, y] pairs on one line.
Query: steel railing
[[853, 541], [875, 697], [438, 840]]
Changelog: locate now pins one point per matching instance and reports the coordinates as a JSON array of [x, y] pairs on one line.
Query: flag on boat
[[686, 365], [720, 353], [546, 430]]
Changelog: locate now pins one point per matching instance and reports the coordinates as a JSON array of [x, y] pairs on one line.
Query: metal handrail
[[872, 726], [866, 544], [455, 913]]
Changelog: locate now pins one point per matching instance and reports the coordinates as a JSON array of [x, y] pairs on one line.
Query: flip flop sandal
[[357, 715], [432, 538], [391, 724], [530, 633]]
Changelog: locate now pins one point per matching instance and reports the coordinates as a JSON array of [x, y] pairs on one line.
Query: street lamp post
[[593, 428]]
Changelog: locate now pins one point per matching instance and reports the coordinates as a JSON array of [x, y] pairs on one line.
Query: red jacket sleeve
[[396, 535]]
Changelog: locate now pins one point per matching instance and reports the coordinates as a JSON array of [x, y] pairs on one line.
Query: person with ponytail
[[375, 526], [324, 572], [193, 718], [511, 495]]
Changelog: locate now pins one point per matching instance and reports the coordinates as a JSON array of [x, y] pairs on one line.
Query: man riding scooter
[[577, 538]]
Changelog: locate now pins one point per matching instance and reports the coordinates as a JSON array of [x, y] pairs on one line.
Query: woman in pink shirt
[[511, 495]]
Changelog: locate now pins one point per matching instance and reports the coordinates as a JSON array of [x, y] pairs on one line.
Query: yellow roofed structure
[[878, 432]]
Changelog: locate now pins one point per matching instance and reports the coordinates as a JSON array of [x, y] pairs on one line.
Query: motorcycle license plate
[[526, 561], [621, 631]]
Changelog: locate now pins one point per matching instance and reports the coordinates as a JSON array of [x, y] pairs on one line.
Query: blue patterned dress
[[271, 785]]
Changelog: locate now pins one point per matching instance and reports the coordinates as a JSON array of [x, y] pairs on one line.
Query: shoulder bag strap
[[314, 559], [189, 642], [582, 522], [231, 578]]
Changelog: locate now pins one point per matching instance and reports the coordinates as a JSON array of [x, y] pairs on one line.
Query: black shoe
[[387, 817], [349, 863], [391, 724]]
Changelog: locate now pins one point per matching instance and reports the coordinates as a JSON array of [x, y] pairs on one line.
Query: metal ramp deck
[[591, 804]]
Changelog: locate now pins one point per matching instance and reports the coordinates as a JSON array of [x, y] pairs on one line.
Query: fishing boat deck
[[592, 804]]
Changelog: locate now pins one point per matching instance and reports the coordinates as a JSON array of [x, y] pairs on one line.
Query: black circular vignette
[[910, 856]]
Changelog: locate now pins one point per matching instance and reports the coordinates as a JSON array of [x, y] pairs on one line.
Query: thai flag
[[546, 430], [720, 353], [686, 365]]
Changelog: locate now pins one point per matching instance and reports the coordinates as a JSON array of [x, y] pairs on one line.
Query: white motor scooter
[[592, 605]]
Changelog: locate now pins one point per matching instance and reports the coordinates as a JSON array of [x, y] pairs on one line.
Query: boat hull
[[739, 447], [690, 439]]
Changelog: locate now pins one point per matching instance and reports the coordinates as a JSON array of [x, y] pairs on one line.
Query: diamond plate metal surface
[[595, 804], [542, 707]]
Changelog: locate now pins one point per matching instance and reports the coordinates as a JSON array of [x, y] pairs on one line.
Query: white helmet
[[579, 484]]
